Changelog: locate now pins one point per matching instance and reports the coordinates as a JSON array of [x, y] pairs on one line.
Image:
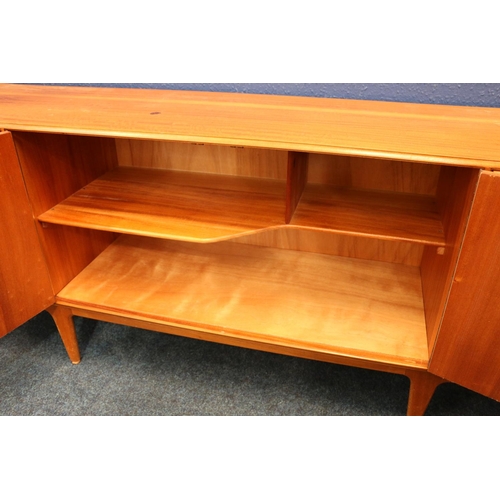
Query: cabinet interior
[[338, 254]]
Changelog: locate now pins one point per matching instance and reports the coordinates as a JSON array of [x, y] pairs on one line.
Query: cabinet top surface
[[455, 135]]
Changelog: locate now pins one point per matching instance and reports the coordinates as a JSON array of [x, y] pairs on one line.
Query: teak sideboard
[[354, 232]]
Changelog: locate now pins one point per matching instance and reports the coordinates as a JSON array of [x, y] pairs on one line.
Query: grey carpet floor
[[126, 371]]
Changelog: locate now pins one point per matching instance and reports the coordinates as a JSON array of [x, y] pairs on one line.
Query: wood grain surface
[[341, 245], [296, 182], [456, 135], [54, 167], [384, 215], [25, 286], [192, 206], [356, 308], [355, 180], [204, 158], [467, 350], [172, 204], [456, 191], [374, 174]]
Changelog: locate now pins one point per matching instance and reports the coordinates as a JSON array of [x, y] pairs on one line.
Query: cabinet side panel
[[25, 288], [454, 197], [467, 349], [54, 167]]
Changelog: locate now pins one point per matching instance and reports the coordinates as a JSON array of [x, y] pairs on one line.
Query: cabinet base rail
[[422, 383]]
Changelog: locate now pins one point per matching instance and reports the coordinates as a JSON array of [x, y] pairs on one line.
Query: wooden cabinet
[[352, 232]]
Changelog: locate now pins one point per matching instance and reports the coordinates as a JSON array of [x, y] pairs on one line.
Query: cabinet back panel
[[342, 245], [226, 160], [373, 174]]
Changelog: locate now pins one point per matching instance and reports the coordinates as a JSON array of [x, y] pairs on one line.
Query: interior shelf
[[381, 214], [201, 207], [349, 307], [173, 204]]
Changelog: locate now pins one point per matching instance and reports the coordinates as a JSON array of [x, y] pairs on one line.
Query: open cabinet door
[[467, 350], [25, 287]]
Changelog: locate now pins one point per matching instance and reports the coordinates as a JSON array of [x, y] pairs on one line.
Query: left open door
[[25, 286]]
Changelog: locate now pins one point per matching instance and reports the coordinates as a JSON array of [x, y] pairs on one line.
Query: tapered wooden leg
[[422, 387], [64, 322]]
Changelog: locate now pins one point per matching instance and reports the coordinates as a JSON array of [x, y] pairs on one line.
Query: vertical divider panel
[[295, 182]]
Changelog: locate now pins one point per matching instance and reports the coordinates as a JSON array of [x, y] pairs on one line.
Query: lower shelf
[[349, 307]]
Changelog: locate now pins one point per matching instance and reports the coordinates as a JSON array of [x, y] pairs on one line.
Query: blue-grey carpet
[[126, 371]]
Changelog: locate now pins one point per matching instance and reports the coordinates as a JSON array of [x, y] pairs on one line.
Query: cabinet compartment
[[335, 305], [381, 215], [359, 271], [173, 204], [195, 192], [190, 192], [55, 166], [377, 198]]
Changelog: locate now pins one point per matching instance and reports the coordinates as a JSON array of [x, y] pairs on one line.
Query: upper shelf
[[453, 135], [200, 207], [176, 205], [387, 215]]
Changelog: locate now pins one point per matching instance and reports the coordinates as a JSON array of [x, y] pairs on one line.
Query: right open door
[[467, 350]]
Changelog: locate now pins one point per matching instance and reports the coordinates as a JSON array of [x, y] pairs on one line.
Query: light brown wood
[[203, 158], [63, 318], [169, 204], [240, 342], [54, 167], [363, 186], [368, 310], [378, 214], [25, 287], [374, 174], [414, 132], [296, 182], [467, 350], [454, 199], [342, 245], [68, 250], [204, 207], [422, 387]]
